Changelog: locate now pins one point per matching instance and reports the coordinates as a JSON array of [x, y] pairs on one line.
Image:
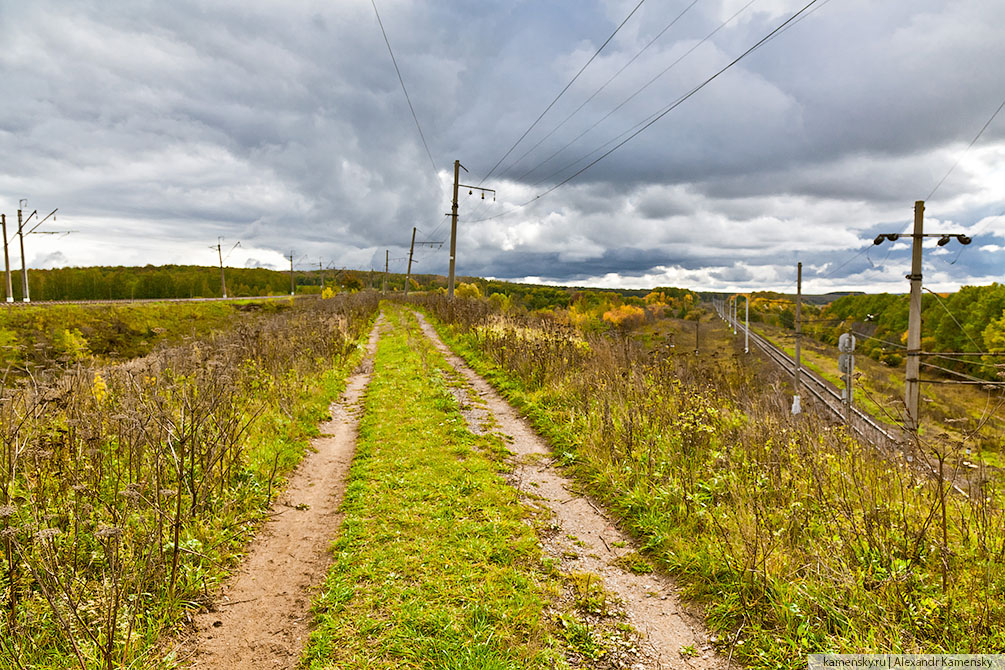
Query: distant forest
[[969, 320], [194, 281], [180, 281]]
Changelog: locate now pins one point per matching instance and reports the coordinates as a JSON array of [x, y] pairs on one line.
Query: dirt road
[[263, 617]]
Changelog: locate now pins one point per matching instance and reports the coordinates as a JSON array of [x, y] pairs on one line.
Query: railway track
[[862, 423]]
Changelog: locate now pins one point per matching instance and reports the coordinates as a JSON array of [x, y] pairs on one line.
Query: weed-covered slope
[[796, 538], [126, 491]]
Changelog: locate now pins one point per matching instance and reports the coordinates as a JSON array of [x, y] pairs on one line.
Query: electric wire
[[408, 99], [977, 231], [954, 372], [652, 119], [965, 151], [803, 18], [625, 102], [443, 222], [560, 94], [605, 84], [834, 271], [681, 100], [952, 316], [980, 364], [877, 339]]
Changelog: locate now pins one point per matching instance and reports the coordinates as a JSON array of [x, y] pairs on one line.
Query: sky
[[162, 129]]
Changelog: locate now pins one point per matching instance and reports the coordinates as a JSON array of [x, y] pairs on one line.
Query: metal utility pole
[[453, 221], [383, 283], [796, 409], [24, 265], [912, 381], [223, 279], [912, 387], [408, 272], [6, 259], [746, 326], [292, 287], [846, 364]]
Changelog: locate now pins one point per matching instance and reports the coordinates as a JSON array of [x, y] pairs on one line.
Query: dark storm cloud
[[162, 127]]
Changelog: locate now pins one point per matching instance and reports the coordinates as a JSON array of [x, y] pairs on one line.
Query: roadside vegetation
[[795, 537], [128, 490], [35, 339], [437, 564]]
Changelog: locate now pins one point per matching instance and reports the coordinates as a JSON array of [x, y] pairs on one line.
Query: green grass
[[437, 565], [277, 397], [796, 538], [43, 335]]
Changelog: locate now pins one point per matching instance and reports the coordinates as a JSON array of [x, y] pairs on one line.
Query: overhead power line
[[674, 105], [408, 99], [561, 93], [648, 123], [606, 83], [965, 151], [624, 102], [953, 317]]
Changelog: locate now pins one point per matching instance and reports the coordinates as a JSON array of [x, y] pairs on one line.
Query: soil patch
[[262, 617]]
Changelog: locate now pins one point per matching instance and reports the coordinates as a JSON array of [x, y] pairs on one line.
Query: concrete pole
[[912, 387], [796, 408], [223, 279], [24, 265], [408, 272], [383, 283], [292, 287], [453, 231], [6, 259]]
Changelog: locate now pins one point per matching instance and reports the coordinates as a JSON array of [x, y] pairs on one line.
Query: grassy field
[[39, 338], [796, 538], [438, 564], [127, 491]]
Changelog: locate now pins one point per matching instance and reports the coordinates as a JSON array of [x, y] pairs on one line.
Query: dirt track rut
[[592, 540], [262, 617]]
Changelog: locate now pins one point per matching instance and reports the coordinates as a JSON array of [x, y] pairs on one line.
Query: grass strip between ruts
[[436, 565]]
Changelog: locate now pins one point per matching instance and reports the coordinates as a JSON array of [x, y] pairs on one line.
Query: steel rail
[[828, 396]]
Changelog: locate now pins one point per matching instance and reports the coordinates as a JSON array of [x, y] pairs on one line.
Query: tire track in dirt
[[262, 617], [592, 541]]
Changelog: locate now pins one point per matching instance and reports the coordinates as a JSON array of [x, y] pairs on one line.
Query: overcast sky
[[158, 127]]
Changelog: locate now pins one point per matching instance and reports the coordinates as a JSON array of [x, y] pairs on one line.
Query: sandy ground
[[593, 542], [262, 618]]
